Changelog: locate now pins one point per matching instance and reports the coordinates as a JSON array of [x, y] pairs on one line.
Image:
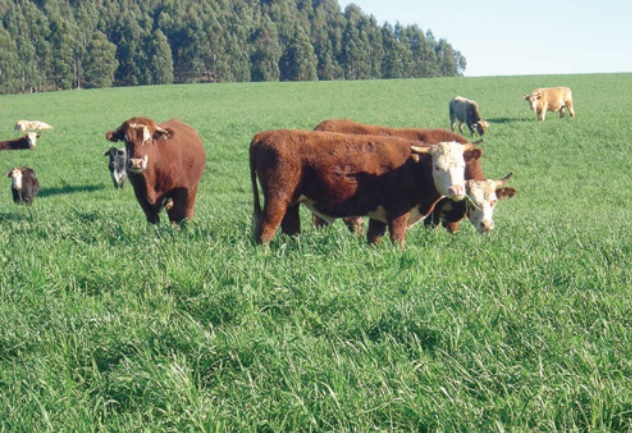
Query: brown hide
[[175, 162], [429, 136], [344, 175]]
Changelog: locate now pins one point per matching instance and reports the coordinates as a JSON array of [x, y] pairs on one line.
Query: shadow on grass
[[68, 189], [505, 120]]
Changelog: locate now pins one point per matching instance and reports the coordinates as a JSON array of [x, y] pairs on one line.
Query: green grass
[[110, 324]]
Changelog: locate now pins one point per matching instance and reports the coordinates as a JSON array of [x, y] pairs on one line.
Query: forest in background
[[48, 45]]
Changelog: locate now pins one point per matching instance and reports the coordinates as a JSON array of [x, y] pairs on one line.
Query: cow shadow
[[68, 189], [505, 120]]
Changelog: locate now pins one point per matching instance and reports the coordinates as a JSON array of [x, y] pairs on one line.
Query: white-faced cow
[[463, 110], [28, 141], [483, 194], [165, 164], [393, 181], [550, 99], [117, 165], [24, 184], [481, 200], [31, 125]]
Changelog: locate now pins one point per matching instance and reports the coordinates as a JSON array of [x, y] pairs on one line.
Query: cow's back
[[183, 151]]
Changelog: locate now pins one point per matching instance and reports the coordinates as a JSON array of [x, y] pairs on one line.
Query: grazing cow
[[550, 99], [29, 141], [24, 184], [31, 125], [482, 194], [165, 164], [346, 126], [117, 165], [481, 200], [393, 181], [466, 111]]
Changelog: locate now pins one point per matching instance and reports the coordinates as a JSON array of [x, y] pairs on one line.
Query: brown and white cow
[[24, 184], [481, 200], [28, 141], [483, 194], [466, 111], [165, 164], [550, 99], [393, 181]]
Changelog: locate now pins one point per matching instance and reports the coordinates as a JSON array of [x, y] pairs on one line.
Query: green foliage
[[65, 44], [110, 324]]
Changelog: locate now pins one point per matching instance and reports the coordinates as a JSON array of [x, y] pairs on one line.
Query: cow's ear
[[163, 134], [506, 192], [106, 153], [112, 136], [473, 154]]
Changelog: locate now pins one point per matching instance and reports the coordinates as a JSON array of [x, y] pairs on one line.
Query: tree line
[[67, 44]]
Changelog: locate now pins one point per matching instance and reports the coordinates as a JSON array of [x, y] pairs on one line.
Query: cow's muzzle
[[137, 165], [456, 192]]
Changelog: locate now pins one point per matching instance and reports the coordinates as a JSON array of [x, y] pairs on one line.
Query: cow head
[[117, 165], [448, 166], [140, 135], [482, 198], [16, 178], [31, 138], [480, 127], [533, 99]]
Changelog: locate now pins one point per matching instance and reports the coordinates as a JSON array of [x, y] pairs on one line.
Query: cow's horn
[[161, 130], [420, 149], [504, 179]]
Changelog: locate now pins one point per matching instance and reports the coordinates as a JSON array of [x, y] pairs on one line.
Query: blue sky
[[532, 37]]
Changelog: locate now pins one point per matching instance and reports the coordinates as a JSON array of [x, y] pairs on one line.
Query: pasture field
[[108, 324]]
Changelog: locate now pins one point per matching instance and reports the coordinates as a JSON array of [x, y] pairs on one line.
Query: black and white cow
[[24, 184], [117, 165]]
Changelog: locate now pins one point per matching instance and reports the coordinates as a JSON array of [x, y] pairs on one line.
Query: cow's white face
[[482, 198], [533, 99], [448, 167], [140, 135], [32, 138], [16, 178]]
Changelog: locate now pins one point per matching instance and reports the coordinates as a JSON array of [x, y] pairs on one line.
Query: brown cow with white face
[[482, 193], [550, 99], [393, 181], [165, 164]]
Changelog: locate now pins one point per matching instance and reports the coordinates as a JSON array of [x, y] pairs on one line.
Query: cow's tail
[[256, 215]]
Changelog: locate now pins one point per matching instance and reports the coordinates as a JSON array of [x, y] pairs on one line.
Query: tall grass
[[110, 324]]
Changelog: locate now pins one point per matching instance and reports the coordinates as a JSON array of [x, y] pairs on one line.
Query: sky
[[521, 37]]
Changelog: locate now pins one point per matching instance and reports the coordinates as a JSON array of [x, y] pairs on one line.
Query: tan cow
[[31, 125], [551, 99]]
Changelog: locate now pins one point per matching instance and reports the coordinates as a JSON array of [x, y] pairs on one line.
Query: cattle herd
[[339, 170]]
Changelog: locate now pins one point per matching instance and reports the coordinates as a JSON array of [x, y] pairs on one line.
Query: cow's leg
[[376, 231], [461, 126], [354, 224], [176, 207], [191, 196], [397, 228], [152, 216], [271, 216], [562, 111], [452, 120], [571, 110], [291, 222]]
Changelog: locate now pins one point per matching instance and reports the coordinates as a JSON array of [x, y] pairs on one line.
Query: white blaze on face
[[480, 209], [32, 138], [448, 168], [16, 178], [144, 128]]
